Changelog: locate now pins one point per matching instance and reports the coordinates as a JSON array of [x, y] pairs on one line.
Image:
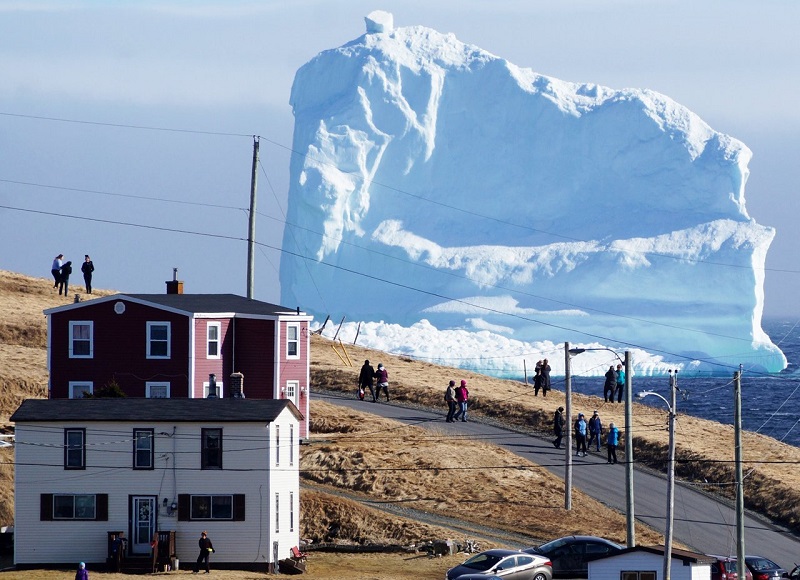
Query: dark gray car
[[764, 569], [507, 564], [570, 555]]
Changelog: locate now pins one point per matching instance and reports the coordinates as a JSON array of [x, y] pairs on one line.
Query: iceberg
[[433, 181]]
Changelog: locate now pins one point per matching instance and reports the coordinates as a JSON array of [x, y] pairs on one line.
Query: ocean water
[[770, 403]]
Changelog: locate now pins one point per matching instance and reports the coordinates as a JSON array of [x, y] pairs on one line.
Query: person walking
[[206, 549], [450, 398], [538, 379], [595, 430], [609, 385], [382, 378], [87, 268], [55, 269], [612, 440], [620, 382], [545, 371], [63, 281], [558, 427], [462, 396], [365, 379], [580, 435], [82, 573]]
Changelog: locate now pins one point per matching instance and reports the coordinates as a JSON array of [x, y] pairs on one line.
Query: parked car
[[507, 564], [570, 555], [763, 568], [725, 568], [794, 574]]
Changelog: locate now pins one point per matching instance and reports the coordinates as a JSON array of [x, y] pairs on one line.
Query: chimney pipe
[[174, 286], [212, 386]]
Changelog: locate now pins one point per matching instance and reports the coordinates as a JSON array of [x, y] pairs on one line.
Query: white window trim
[[73, 384], [150, 384], [220, 391], [296, 341], [150, 324], [218, 326], [291, 393], [291, 446], [72, 324]]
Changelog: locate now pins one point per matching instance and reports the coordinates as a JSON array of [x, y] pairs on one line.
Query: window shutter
[[101, 507], [184, 507], [238, 507], [46, 507]]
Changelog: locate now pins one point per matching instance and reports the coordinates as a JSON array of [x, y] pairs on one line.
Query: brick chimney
[[236, 387], [174, 286]]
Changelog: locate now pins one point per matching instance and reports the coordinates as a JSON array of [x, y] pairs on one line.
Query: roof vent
[[174, 286]]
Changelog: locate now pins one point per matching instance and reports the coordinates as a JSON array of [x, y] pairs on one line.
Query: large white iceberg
[[436, 181]]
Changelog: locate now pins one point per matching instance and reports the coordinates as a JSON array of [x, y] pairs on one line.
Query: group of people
[[366, 378], [61, 271], [614, 385], [456, 399], [587, 433], [541, 378]]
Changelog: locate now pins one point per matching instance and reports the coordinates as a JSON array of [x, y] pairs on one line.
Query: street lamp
[[629, 511], [673, 411]]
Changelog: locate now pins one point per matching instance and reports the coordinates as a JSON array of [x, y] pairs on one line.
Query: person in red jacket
[[462, 396]]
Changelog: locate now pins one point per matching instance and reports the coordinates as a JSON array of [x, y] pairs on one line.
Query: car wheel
[[540, 576]]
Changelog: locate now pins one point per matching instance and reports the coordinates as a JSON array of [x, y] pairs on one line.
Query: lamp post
[[629, 509], [672, 404], [568, 424]]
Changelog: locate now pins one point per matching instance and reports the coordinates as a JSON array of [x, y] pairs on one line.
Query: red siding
[[203, 365], [253, 357], [120, 342]]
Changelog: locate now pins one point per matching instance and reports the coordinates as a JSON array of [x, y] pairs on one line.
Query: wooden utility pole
[[630, 518], [251, 230], [568, 426], [737, 435]]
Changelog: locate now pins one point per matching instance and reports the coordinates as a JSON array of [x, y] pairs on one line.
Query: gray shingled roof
[[152, 410], [209, 303]]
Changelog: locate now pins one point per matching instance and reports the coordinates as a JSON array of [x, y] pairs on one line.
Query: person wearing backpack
[[450, 398]]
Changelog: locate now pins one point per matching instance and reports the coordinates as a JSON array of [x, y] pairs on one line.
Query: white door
[[143, 522]]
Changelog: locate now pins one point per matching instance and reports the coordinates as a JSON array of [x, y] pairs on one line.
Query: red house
[[180, 345]]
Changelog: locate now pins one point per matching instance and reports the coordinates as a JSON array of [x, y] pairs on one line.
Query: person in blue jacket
[[620, 383], [612, 440]]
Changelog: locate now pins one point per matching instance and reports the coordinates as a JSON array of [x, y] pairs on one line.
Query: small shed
[[647, 563]]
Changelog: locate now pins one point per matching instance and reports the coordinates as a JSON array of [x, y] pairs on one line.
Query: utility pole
[[673, 412], [251, 230], [737, 435], [568, 426], [629, 515]]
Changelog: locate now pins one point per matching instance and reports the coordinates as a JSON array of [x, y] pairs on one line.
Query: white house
[[647, 563], [86, 467]]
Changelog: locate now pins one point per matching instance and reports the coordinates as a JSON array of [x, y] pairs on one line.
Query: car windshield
[[762, 564], [550, 546], [481, 562]]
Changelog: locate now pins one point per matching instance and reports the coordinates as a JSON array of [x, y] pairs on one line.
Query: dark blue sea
[[770, 403]]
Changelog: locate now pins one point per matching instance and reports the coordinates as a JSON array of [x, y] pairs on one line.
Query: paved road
[[709, 526]]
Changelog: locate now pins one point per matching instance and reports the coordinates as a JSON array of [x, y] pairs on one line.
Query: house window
[[212, 448], [207, 389], [155, 390], [292, 341], [291, 444], [81, 344], [277, 513], [78, 389], [211, 507], [143, 449], [637, 575], [213, 331], [74, 448], [291, 511], [277, 444], [158, 340], [65, 506]]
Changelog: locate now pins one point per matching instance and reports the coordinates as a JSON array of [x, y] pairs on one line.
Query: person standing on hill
[[55, 269], [538, 379], [382, 378], [620, 382], [609, 385], [612, 440], [63, 281], [450, 398], [558, 427], [545, 370], [580, 435], [595, 430], [365, 379], [87, 268], [462, 396]]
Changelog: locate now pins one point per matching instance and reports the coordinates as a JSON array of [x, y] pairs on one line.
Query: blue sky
[[138, 116]]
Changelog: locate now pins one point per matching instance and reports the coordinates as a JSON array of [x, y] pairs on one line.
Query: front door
[[143, 523]]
